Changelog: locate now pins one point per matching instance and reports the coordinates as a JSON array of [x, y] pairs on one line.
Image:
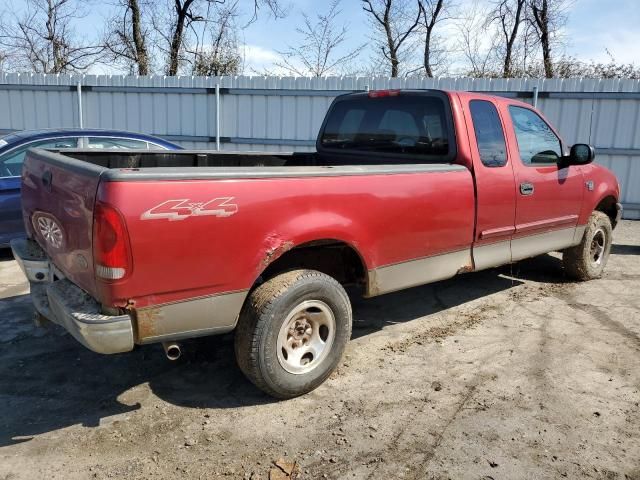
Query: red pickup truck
[[405, 188]]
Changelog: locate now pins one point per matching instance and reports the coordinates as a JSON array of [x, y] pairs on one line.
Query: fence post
[[217, 116], [79, 90], [535, 97]]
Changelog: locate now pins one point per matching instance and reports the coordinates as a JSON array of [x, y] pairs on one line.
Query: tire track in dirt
[[408, 458], [602, 317], [468, 319]]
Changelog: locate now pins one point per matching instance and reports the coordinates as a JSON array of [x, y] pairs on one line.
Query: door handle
[[526, 188]]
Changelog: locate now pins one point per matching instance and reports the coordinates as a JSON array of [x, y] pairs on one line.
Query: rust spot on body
[[147, 320], [465, 269], [273, 253]]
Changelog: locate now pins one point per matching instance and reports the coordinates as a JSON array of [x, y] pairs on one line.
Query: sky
[[593, 27]]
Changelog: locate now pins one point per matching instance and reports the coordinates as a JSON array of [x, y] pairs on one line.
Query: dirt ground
[[504, 374]]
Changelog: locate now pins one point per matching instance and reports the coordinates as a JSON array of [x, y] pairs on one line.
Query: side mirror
[[580, 154]]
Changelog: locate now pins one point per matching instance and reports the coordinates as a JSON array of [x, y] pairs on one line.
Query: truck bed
[[275, 203]]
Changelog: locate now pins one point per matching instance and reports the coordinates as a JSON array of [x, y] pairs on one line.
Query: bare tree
[[433, 12], [548, 18], [176, 25], [541, 18], [43, 40], [509, 15], [274, 7], [221, 54], [318, 53], [184, 16], [125, 39], [476, 43], [3, 60], [392, 19]]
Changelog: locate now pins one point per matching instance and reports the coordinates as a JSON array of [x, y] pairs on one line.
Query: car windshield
[[17, 136], [8, 139], [414, 125]]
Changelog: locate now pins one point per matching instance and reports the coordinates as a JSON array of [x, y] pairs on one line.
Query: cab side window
[[489, 133], [536, 141], [11, 162]]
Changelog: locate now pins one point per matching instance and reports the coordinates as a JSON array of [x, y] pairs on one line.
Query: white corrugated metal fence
[[283, 114]]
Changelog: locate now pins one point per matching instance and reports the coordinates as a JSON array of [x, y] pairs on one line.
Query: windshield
[[411, 124], [9, 139]]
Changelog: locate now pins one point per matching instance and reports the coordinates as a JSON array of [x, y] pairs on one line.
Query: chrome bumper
[[62, 302]]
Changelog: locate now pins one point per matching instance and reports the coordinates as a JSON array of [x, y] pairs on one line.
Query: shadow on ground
[[5, 255], [625, 249], [48, 381]]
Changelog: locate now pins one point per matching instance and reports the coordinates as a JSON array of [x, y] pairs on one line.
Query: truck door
[[549, 196], [495, 185]]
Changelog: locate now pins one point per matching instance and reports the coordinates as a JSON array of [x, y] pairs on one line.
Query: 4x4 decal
[[185, 208]]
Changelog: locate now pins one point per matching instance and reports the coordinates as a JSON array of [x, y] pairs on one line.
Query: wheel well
[[334, 258], [608, 205]]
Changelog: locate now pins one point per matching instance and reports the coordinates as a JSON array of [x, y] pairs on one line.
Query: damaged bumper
[[62, 302]]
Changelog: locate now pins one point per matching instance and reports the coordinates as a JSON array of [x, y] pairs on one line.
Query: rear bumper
[[60, 301]]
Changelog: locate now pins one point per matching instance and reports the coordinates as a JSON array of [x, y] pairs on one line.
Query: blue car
[[14, 146]]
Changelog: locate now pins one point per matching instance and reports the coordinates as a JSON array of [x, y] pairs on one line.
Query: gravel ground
[[504, 374]]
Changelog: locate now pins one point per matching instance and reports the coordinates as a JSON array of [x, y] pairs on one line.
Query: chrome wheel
[[50, 231], [306, 337], [598, 245]]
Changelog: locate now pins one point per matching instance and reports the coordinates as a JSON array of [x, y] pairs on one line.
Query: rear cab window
[[405, 127]]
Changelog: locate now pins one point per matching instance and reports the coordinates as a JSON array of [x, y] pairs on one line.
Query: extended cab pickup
[[405, 188]]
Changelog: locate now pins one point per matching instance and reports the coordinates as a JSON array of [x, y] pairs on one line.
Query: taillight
[[383, 93], [111, 251]]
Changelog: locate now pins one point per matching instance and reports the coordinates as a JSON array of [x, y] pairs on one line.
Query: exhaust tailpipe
[[172, 350]]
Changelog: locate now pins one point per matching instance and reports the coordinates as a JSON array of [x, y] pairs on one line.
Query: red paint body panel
[[605, 185], [387, 218]]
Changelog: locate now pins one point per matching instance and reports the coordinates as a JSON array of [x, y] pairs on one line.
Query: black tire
[[261, 324], [587, 260]]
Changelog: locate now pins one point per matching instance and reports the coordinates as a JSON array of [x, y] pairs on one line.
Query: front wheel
[[587, 260], [292, 332]]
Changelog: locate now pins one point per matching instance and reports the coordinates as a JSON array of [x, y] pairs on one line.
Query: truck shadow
[[6, 255], [371, 315], [617, 249], [48, 381]]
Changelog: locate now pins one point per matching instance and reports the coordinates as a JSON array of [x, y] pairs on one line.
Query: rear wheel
[[292, 332], [587, 260]]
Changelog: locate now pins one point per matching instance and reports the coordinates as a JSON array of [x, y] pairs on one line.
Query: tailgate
[[58, 197]]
